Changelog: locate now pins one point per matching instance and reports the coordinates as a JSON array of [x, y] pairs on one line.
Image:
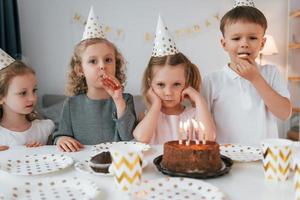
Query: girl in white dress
[[18, 121], [168, 79]]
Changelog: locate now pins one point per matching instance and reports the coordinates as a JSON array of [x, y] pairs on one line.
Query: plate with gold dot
[[36, 164], [55, 189], [241, 153], [176, 189]]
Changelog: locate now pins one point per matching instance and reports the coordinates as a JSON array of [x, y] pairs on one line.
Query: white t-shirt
[[39, 132], [167, 126], [238, 110]]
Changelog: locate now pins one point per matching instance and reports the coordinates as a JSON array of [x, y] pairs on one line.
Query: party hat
[[163, 43], [5, 59], [243, 3], [92, 28]]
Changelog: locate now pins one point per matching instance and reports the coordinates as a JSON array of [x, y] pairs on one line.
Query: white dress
[[39, 132], [167, 126]]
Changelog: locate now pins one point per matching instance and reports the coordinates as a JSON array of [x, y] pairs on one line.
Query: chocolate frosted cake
[[198, 158], [101, 162]]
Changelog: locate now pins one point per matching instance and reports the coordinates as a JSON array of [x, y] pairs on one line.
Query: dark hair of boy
[[243, 13]]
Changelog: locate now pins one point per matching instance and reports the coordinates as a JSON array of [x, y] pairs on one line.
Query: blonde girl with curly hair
[[96, 110]]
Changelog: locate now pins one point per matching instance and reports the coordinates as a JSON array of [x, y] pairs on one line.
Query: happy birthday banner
[[109, 31], [186, 32]]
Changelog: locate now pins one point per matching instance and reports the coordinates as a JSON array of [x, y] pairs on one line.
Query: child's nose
[[32, 97], [244, 43], [168, 91], [101, 66]]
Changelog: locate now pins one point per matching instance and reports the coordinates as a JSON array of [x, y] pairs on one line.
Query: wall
[[49, 33]]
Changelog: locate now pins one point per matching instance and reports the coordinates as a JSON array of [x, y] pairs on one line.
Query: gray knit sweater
[[95, 121]]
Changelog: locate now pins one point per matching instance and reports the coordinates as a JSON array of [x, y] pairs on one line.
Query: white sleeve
[[42, 131], [49, 127], [3, 139], [279, 84], [206, 91]]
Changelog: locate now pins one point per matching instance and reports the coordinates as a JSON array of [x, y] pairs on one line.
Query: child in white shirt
[[18, 121], [245, 98]]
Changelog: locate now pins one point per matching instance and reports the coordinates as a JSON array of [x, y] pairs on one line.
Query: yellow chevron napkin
[[297, 178], [277, 155], [126, 165]]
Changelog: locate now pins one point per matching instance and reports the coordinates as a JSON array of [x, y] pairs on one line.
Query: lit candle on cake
[[186, 128], [196, 129], [203, 132], [190, 130], [180, 131]]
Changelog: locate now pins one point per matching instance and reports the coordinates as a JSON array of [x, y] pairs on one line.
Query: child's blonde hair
[[77, 84], [17, 68], [192, 73]]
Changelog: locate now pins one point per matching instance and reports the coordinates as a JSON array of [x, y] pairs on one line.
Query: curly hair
[[17, 68], [192, 73], [77, 84], [243, 13]]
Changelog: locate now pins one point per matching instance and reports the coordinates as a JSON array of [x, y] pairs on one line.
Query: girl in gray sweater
[[97, 109]]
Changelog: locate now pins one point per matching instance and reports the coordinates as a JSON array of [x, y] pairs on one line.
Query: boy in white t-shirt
[[244, 97]]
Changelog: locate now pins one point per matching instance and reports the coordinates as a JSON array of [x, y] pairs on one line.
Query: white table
[[244, 181]]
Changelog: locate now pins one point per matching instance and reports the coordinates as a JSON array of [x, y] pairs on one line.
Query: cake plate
[[226, 166]]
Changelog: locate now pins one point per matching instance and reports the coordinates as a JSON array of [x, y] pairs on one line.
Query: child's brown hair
[[77, 84], [243, 13], [17, 68], [193, 77]]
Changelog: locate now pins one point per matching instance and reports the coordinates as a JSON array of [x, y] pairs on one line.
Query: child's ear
[[263, 42], [223, 43]]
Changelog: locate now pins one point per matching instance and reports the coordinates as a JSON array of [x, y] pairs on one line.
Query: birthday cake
[[198, 158]]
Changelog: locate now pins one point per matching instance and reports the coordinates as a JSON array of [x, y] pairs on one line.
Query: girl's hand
[[112, 86], [190, 93], [68, 144], [246, 68], [153, 98], [34, 144], [3, 148]]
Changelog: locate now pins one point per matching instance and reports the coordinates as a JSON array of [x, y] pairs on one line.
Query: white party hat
[[5, 59], [243, 3], [163, 43], [92, 28]]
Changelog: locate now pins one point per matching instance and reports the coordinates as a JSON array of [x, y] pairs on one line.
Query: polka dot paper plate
[[85, 168], [241, 153], [176, 189], [105, 146], [36, 164], [55, 189]]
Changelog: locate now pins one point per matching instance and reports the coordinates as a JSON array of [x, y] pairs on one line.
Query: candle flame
[[180, 125], [195, 125], [185, 126], [201, 126]]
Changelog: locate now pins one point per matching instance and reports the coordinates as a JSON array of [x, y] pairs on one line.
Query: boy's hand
[[68, 144], [190, 93], [3, 148], [153, 98], [34, 144], [246, 69]]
